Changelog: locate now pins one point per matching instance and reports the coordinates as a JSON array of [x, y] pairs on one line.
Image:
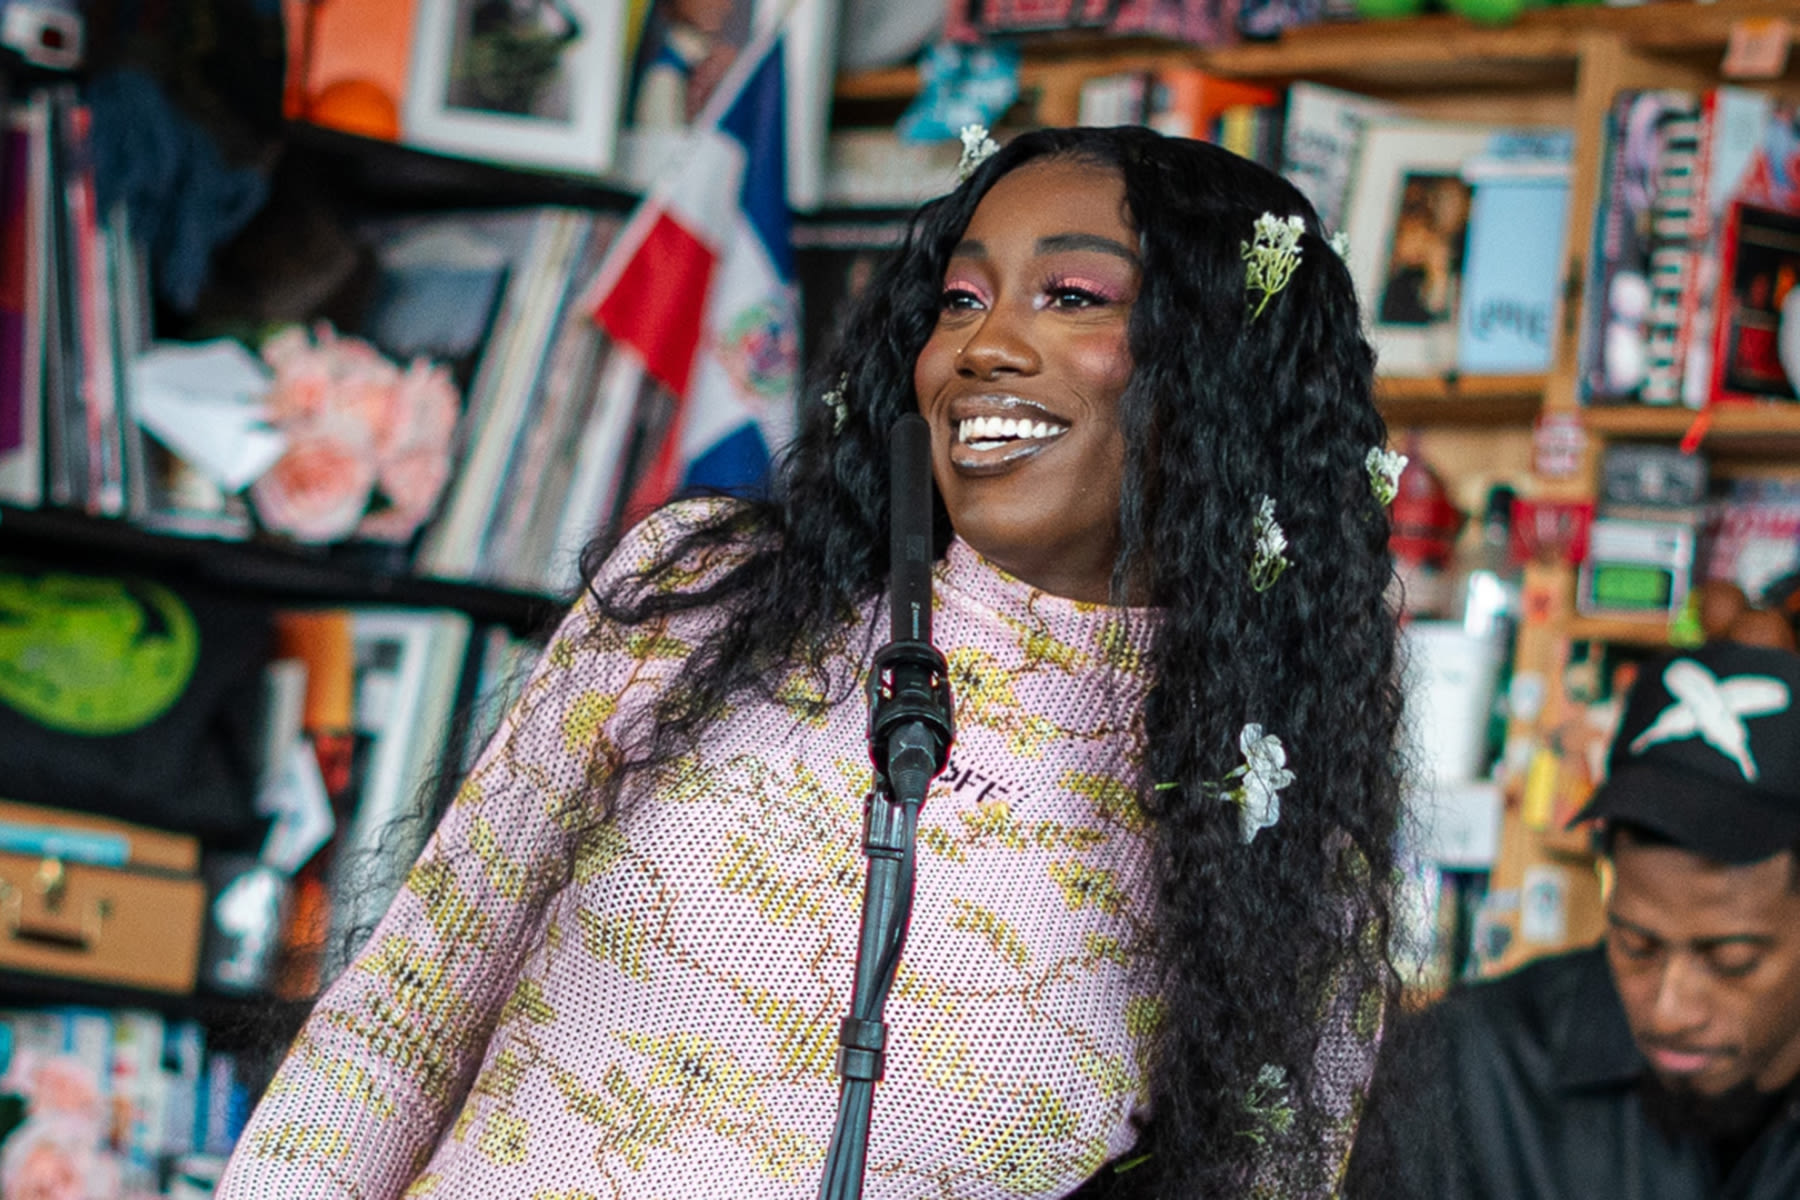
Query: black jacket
[[1524, 1088]]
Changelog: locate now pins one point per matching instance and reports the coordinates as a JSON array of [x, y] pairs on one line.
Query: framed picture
[[1408, 224], [1759, 268], [686, 48], [535, 83]]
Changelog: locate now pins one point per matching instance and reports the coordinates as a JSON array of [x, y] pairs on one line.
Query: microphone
[[910, 730], [911, 726], [909, 545]]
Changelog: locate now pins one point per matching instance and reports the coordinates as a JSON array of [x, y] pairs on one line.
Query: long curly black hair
[[1221, 409]]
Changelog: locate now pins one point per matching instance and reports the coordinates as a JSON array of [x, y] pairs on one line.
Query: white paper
[[205, 403], [302, 810]]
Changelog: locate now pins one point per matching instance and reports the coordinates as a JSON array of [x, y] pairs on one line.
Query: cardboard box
[[94, 899]]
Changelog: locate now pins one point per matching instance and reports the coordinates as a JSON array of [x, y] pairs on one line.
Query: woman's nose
[[999, 345]]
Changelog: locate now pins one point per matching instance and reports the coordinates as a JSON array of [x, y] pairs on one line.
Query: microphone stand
[[910, 730]]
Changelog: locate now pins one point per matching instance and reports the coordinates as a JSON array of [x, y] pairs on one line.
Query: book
[[409, 666], [538, 286], [23, 189], [1674, 204], [1731, 127], [1512, 272], [1321, 136], [1613, 350]]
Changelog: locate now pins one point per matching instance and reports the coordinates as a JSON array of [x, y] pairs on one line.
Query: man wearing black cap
[[1662, 1065]]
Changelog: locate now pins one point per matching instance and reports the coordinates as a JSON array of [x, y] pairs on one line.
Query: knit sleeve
[[1343, 1068], [391, 1047]]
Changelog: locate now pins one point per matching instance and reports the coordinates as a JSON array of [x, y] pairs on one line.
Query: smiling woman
[[1022, 376], [1147, 951]]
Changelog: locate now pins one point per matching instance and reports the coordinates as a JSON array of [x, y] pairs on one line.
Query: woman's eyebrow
[[1057, 243], [1085, 241]]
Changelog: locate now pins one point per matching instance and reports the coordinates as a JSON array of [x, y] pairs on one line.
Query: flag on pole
[[700, 286]]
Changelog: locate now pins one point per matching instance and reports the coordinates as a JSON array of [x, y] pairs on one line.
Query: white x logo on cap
[[1714, 709]]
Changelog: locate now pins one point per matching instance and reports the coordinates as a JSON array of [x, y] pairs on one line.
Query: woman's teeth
[[985, 433]]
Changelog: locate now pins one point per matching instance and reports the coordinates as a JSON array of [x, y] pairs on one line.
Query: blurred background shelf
[[288, 573], [1624, 631], [1474, 401]]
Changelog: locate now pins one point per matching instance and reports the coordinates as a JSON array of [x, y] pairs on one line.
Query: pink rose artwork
[[368, 443], [64, 1086], [55, 1158]]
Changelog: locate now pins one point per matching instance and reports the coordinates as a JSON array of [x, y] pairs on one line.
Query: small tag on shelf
[[1757, 48]]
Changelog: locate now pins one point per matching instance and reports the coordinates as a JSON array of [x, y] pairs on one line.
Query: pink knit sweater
[[665, 1025]]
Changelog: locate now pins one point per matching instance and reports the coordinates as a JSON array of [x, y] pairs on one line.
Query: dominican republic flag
[[700, 285]]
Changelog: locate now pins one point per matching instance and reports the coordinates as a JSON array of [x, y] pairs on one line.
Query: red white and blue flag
[[700, 285]]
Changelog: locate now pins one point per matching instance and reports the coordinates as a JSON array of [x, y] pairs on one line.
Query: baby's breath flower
[[834, 400], [1270, 259], [1268, 1105], [977, 147], [1384, 473], [1340, 245], [1267, 557]]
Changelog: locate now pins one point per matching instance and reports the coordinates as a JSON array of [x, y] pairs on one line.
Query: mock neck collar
[[1117, 636]]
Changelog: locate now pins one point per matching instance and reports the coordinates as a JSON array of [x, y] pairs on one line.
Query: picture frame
[[530, 83], [1408, 226], [657, 107]]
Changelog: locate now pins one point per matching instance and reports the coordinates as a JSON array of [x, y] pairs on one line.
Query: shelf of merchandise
[[290, 573], [1432, 52]]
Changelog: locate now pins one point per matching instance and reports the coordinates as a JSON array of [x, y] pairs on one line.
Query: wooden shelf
[[1628, 631], [291, 573], [1477, 401], [1411, 54], [1728, 420]]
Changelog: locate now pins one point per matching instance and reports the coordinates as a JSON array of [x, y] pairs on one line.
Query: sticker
[[1525, 695], [1557, 443], [1757, 48], [1544, 906]]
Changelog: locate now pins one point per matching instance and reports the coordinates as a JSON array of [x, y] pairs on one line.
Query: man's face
[[1707, 961]]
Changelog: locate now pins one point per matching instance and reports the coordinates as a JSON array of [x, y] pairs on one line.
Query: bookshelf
[[294, 574], [1558, 65]]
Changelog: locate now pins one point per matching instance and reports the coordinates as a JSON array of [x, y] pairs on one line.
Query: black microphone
[[910, 729], [912, 726], [909, 547]]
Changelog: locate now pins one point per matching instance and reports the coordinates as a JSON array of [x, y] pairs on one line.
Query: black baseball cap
[[1708, 753]]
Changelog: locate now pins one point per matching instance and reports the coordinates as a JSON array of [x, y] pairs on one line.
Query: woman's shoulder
[[683, 545]]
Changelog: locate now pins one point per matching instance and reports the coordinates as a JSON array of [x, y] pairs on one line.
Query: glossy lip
[[969, 461]]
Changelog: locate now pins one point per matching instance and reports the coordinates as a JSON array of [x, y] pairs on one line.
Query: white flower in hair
[[1268, 558], [834, 400], [977, 148], [1270, 259], [1384, 473], [1261, 778], [1340, 245], [1268, 1104]]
